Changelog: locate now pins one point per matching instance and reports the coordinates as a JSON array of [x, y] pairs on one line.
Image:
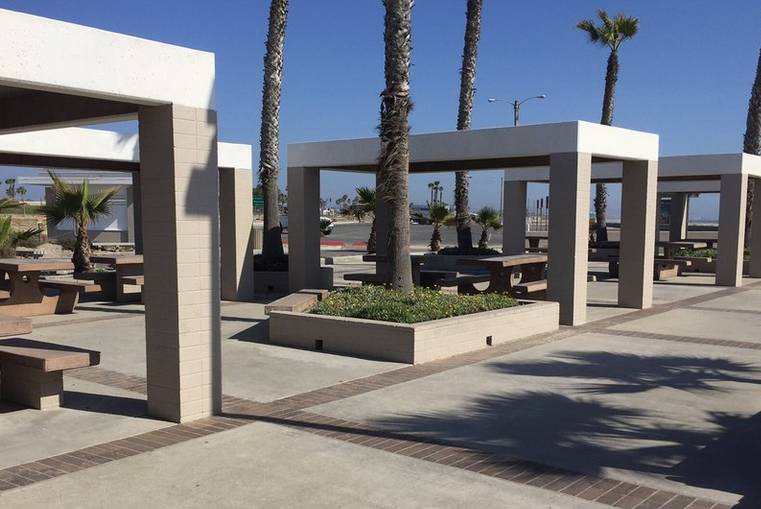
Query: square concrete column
[[514, 218], [729, 258], [236, 220], [755, 235], [180, 179], [678, 216], [134, 214], [303, 228], [639, 193], [570, 178]]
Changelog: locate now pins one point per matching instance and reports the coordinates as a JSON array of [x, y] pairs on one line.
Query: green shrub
[[477, 251], [704, 252], [381, 303]]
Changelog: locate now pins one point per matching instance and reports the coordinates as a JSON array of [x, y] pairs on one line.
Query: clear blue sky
[[686, 76]]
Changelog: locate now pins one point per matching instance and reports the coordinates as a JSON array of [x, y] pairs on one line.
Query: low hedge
[[703, 252], [473, 251], [388, 305]]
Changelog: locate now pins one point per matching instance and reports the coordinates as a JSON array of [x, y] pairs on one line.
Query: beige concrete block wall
[[514, 218], [179, 190], [729, 258], [570, 180], [638, 210], [236, 218]]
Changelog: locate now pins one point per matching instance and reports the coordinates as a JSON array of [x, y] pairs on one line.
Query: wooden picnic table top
[[505, 261], [417, 258], [38, 265], [688, 244], [116, 259]]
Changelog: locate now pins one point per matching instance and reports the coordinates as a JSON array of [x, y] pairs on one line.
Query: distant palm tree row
[[396, 103]]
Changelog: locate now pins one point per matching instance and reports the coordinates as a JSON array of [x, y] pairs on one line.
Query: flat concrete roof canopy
[[726, 174], [568, 148], [55, 74]]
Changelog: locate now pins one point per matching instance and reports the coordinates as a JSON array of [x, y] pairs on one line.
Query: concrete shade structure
[[55, 74], [77, 147], [726, 174], [568, 149]]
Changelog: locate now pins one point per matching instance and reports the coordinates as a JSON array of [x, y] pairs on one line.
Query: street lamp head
[[542, 96], [492, 100]]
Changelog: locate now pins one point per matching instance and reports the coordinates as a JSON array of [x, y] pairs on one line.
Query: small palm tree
[[438, 214], [76, 203], [8, 237], [366, 197], [488, 219], [611, 33]]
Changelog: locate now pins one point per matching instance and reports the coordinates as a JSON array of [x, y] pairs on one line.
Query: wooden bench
[[536, 289], [302, 300], [31, 372], [133, 280], [69, 290], [14, 325], [663, 268]]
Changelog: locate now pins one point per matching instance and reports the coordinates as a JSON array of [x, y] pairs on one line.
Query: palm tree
[[432, 186], [464, 112], [611, 33], [488, 219], [393, 164], [82, 207], [269, 140], [366, 197], [438, 215], [21, 191], [752, 141]]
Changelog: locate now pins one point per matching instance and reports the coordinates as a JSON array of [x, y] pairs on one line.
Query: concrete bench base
[[412, 343], [14, 325], [31, 387], [31, 372]]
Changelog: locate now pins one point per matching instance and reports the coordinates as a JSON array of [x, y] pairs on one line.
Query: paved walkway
[[655, 408]]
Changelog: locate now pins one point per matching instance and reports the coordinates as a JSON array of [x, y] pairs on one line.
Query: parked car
[[326, 224]]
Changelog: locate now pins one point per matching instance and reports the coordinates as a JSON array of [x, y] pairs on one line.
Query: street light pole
[[516, 104]]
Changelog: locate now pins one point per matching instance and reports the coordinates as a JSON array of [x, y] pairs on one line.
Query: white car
[[327, 229]]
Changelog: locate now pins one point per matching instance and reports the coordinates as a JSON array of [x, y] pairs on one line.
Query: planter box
[[412, 343], [270, 282], [705, 265]]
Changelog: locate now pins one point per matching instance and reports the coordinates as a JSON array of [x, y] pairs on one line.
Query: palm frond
[[367, 198], [5, 231], [437, 213], [589, 27], [7, 203], [627, 26]]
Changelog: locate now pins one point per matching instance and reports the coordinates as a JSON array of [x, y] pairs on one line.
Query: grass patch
[[422, 305]]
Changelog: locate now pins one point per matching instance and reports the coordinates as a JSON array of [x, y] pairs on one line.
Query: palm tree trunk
[[464, 113], [372, 240], [393, 167], [483, 242], [601, 190], [752, 141], [82, 252], [269, 158], [436, 238]]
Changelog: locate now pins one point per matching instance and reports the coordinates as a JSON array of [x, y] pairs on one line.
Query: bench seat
[[531, 287], [14, 325], [663, 268], [365, 278], [65, 285], [464, 279], [31, 372], [303, 300], [133, 280]]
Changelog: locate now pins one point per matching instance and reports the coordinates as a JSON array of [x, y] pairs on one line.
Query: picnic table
[[671, 247], [25, 296], [111, 283], [533, 240], [503, 278]]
